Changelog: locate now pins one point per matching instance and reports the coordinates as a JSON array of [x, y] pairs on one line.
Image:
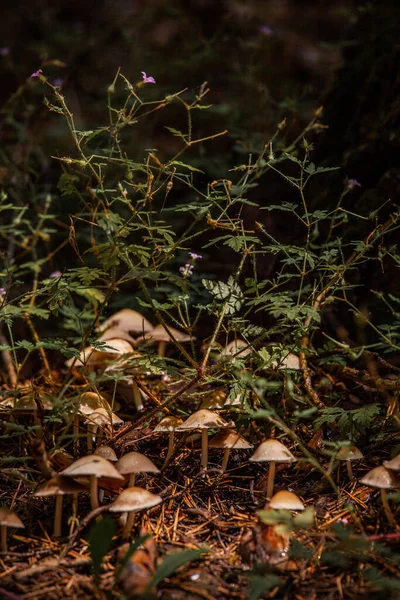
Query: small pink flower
[[147, 79], [352, 183], [195, 256], [3, 292], [266, 30], [55, 274], [37, 73]]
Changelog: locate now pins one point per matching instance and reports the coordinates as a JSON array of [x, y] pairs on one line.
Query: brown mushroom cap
[[168, 424], [237, 347], [290, 361], [116, 332], [8, 518], [229, 439], [127, 320], [382, 478], [134, 499], [59, 486], [106, 452], [349, 453], [204, 419], [96, 357], [92, 465], [159, 334], [285, 500], [272, 451], [135, 462], [214, 400], [102, 417], [393, 464], [88, 402]]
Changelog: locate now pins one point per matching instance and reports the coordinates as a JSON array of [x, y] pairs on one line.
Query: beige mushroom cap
[[92, 464], [229, 439], [214, 400], [393, 464], [135, 499], [116, 332], [290, 361], [94, 356], [238, 347], [168, 424], [102, 417], [272, 451], [135, 462], [285, 500], [127, 320], [8, 518], [349, 453], [159, 334], [204, 419], [382, 478], [106, 452], [59, 486], [88, 402]]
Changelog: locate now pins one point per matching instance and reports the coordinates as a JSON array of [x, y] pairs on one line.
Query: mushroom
[[131, 365], [393, 464], [134, 462], [204, 419], [8, 518], [285, 500], [106, 452], [349, 453], [127, 320], [101, 418], [160, 335], [58, 486], [384, 479], [228, 440], [214, 400], [131, 500], [290, 361], [272, 451], [86, 404], [116, 332], [168, 425], [96, 358], [94, 467], [236, 348]]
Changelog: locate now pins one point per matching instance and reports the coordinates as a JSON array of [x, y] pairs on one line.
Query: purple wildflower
[[147, 79], [3, 291], [55, 274], [5, 51], [195, 256], [187, 270], [266, 30], [37, 73], [352, 183]]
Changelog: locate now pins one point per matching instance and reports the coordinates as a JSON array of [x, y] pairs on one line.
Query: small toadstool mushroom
[[272, 451], [285, 500], [58, 486], [8, 518], [168, 425], [228, 440], [204, 419], [384, 479], [135, 462], [393, 464], [160, 335], [131, 500], [128, 320], [349, 453]]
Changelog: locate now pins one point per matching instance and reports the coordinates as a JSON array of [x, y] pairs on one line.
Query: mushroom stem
[[131, 481], [137, 397], [349, 470], [128, 525], [204, 449], [91, 432], [225, 459], [58, 516], [170, 450], [75, 432], [94, 500], [3, 529], [386, 508], [161, 348], [271, 479]]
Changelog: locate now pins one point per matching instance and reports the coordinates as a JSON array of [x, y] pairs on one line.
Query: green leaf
[[260, 584], [172, 562], [100, 539]]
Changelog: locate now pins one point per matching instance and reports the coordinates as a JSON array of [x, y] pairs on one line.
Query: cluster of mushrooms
[[101, 469]]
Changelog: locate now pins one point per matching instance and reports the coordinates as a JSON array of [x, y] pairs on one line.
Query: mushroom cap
[[229, 439], [135, 462], [272, 451], [10, 519], [393, 464], [382, 478], [116, 332], [349, 453], [204, 419], [285, 500], [127, 320], [93, 464], [214, 400], [134, 499], [88, 402], [290, 361], [102, 417], [234, 347], [168, 424], [58, 486], [159, 334], [95, 356], [106, 452]]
